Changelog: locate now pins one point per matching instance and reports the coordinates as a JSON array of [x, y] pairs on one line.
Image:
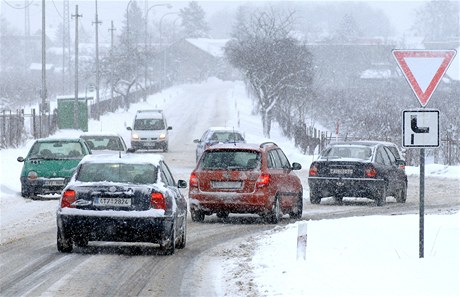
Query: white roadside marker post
[[302, 240]]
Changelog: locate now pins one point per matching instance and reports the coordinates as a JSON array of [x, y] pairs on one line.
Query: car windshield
[[56, 150], [226, 136], [117, 172], [355, 152], [149, 124], [112, 143], [231, 159]]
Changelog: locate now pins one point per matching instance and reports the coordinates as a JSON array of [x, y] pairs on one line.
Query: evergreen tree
[[193, 21]]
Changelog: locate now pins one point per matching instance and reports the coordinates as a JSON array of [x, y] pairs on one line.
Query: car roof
[[56, 139], [229, 129], [129, 158], [149, 114], [100, 134], [241, 146], [362, 143]]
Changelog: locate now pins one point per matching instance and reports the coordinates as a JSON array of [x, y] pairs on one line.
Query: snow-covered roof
[[38, 66], [214, 47], [129, 158]]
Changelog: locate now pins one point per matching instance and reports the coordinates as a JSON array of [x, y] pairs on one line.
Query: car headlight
[[162, 136], [32, 175], [135, 136]]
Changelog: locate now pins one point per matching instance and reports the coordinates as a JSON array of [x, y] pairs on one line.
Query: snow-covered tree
[[275, 65], [438, 20], [194, 24]]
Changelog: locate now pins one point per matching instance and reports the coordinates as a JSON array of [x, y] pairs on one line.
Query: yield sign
[[423, 69]]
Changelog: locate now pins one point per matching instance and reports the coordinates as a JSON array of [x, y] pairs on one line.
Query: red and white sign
[[424, 69]]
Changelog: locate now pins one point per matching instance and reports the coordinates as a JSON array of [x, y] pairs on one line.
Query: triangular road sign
[[423, 69]]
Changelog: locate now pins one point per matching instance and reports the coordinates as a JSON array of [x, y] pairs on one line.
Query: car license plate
[[343, 171], [227, 184], [54, 182], [112, 201]]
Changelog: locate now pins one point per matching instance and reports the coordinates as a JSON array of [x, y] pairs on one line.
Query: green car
[[50, 164]]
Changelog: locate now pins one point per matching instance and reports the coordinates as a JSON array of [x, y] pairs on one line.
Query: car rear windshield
[[112, 143], [354, 152], [56, 150], [226, 136], [149, 124], [117, 172], [230, 160]]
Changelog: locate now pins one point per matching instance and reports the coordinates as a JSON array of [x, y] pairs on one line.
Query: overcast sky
[[401, 13]]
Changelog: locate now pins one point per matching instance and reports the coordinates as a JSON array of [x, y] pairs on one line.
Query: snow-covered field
[[360, 256]]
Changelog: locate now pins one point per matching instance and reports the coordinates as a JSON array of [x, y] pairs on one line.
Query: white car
[[216, 135], [149, 131], [104, 142]]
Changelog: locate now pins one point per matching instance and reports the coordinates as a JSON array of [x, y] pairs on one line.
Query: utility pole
[[65, 45], [97, 65], [43, 91], [111, 62], [75, 106]]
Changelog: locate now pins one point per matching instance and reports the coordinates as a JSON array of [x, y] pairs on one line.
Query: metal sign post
[[423, 70]]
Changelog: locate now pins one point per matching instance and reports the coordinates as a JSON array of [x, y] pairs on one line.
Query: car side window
[[384, 155], [166, 175], [276, 162], [284, 160], [391, 156]]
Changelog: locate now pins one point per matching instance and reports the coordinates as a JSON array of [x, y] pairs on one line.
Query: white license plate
[[112, 201], [54, 182], [226, 185], [341, 171]]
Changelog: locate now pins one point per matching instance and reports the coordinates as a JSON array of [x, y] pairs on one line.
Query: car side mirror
[[400, 162], [196, 141], [129, 128], [20, 159], [296, 166], [181, 184], [169, 128]]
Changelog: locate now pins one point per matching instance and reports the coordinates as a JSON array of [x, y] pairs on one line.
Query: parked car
[[104, 142], [357, 169], [150, 130], [49, 165], [126, 198], [245, 178], [216, 135]]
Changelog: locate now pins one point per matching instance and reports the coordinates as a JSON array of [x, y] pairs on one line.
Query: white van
[[149, 131]]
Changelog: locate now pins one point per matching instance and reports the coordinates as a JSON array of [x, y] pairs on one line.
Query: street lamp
[[169, 6], [164, 52]]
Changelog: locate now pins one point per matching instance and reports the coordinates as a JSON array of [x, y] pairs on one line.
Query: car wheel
[[81, 241], [338, 200], [315, 198], [183, 237], [170, 247], [401, 195], [25, 192], [64, 244], [197, 215], [222, 214], [275, 215], [381, 198], [296, 213]]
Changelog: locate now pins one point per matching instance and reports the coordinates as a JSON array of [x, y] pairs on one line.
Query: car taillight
[[193, 180], [263, 180], [68, 197], [158, 201], [313, 170], [370, 171]]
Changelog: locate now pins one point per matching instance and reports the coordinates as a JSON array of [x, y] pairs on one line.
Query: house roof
[[214, 47]]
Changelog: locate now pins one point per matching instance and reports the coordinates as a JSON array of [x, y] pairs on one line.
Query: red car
[[245, 178]]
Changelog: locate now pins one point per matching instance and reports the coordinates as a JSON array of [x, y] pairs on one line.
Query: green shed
[[66, 113]]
